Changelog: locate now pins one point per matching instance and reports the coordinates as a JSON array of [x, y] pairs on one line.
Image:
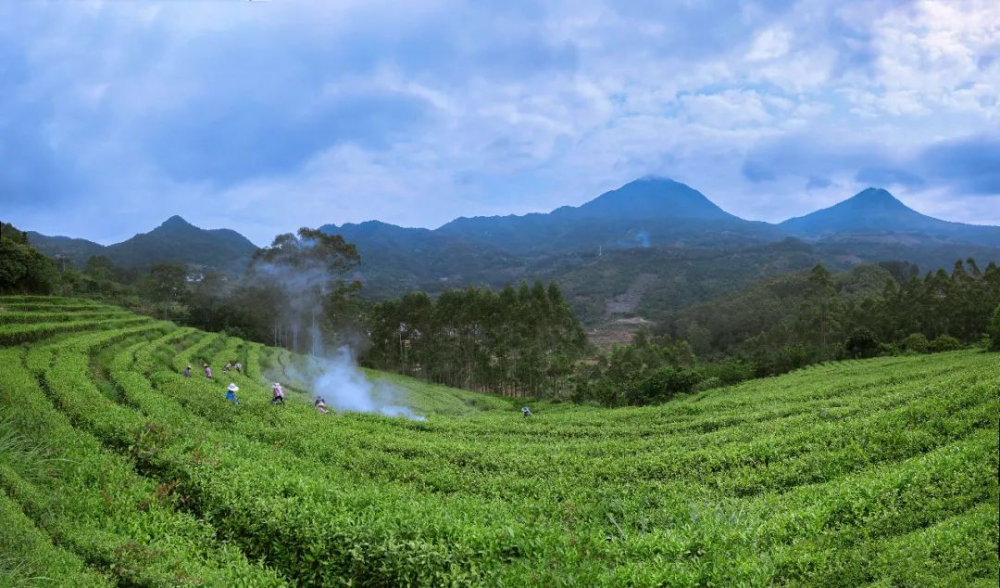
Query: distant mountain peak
[[176, 222], [876, 197], [873, 210], [656, 178], [653, 197]]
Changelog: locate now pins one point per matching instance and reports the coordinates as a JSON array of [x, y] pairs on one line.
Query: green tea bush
[[880, 472]]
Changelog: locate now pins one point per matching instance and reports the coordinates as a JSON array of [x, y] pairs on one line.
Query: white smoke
[[305, 286], [344, 387]]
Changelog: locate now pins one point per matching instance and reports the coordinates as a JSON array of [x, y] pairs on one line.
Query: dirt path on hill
[[629, 301]]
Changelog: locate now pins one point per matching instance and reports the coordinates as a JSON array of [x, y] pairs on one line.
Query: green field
[[116, 471]]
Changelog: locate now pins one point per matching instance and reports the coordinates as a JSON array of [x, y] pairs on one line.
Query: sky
[[267, 116]]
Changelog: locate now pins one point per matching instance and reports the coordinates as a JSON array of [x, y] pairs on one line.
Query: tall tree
[[821, 312], [22, 269], [166, 284], [306, 267]]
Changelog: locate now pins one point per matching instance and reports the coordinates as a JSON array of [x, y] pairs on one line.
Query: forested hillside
[[648, 248], [174, 241], [521, 342], [804, 316]]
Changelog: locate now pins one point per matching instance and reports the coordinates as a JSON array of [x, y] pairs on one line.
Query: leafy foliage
[[862, 343], [917, 343], [945, 343], [515, 342], [22, 269], [789, 321], [994, 328]]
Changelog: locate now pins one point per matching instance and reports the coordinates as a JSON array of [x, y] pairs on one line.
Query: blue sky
[[267, 116]]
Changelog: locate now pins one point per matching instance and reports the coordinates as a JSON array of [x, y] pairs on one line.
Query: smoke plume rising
[[306, 268], [344, 387]]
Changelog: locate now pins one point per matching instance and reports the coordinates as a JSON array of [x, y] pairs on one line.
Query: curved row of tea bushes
[[879, 472], [119, 522]]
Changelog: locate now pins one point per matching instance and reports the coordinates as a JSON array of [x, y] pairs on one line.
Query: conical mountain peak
[[871, 210], [876, 198], [652, 197], [175, 222]]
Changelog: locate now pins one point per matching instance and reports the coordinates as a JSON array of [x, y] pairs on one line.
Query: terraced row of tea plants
[[117, 471]]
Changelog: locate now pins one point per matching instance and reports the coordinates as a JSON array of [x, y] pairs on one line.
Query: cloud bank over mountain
[[273, 115]]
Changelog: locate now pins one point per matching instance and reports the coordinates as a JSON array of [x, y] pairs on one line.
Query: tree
[[22, 269], [861, 343], [901, 271], [100, 268], [305, 267], [916, 343], [344, 312], [822, 307], [166, 284], [311, 249], [994, 329], [517, 342], [662, 384], [945, 343]]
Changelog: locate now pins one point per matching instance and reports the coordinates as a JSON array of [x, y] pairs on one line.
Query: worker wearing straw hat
[[231, 391]]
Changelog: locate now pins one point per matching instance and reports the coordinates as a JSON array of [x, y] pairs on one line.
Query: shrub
[[861, 343], [916, 343], [790, 357], [708, 384], [727, 372], [945, 343], [663, 384], [993, 330], [888, 349]]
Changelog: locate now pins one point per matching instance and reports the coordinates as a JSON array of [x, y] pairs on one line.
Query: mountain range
[[649, 247], [176, 240], [875, 212]]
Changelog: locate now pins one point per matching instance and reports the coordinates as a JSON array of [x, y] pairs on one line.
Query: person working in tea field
[[228, 367], [231, 391], [208, 371], [321, 406], [526, 412], [239, 367], [187, 372], [279, 394]]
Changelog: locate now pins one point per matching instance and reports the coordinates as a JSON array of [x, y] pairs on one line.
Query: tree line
[[517, 342], [792, 320], [789, 321], [526, 340]]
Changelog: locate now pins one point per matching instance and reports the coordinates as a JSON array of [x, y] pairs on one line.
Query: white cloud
[[518, 112], [770, 44], [728, 109]]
